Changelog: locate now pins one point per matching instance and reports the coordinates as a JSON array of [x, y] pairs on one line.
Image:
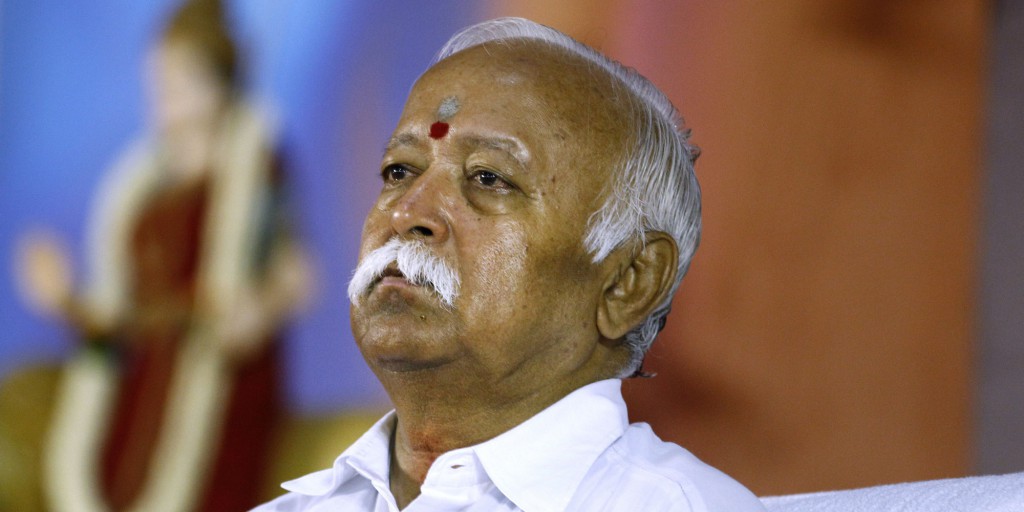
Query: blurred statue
[[169, 404]]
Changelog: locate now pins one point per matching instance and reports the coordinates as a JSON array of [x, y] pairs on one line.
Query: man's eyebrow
[[513, 148], [404, 139]]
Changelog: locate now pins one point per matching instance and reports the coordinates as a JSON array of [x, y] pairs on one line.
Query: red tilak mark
[[438, 130]]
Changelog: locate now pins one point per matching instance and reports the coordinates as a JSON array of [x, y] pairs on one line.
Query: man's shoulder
[[290, 502], [313, 489], [349, 496], [659, 475], [641, 448]]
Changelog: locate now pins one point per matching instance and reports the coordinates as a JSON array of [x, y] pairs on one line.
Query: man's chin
[[400, 312], [403, 364], [409, 342]]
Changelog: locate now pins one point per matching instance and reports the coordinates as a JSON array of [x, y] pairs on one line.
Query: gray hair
[[656, 189]]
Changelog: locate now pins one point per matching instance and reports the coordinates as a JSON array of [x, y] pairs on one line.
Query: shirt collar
[[369, 456], [540, 463]]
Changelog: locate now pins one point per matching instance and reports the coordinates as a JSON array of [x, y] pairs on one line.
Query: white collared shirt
[[579, 454]]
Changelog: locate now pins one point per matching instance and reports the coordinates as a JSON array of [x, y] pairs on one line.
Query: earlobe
[[642, 282]]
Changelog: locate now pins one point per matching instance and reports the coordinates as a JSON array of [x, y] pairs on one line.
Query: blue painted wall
[[336, 72]]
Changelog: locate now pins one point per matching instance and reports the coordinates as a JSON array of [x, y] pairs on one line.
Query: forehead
[[530, 88]]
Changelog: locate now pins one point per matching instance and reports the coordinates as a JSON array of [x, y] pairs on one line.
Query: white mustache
[[415, 262]]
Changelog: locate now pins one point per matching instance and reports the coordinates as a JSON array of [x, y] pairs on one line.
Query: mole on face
[[449, 106]]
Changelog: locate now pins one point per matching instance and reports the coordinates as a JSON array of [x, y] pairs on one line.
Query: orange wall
[[823, 337]]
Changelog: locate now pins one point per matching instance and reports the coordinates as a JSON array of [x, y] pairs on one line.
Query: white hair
[[655, 188]]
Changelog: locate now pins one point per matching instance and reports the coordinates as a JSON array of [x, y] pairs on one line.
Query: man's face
[[501, 193]]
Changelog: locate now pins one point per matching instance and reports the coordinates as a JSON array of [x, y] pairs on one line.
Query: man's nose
[[420, 213]]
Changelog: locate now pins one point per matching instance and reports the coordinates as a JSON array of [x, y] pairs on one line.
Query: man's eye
[[490, 180], [395, 173]]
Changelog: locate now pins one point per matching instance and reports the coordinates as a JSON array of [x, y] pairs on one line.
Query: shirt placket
[[455, 482]]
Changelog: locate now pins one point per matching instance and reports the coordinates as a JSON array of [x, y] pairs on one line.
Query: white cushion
[[1002, 493]]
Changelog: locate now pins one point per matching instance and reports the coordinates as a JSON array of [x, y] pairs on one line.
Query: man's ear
[[642, 282]]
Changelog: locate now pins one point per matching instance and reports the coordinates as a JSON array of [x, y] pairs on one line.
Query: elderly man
[[538, 211]]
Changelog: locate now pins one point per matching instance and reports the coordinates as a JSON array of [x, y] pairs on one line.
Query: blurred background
[[854, 315]]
